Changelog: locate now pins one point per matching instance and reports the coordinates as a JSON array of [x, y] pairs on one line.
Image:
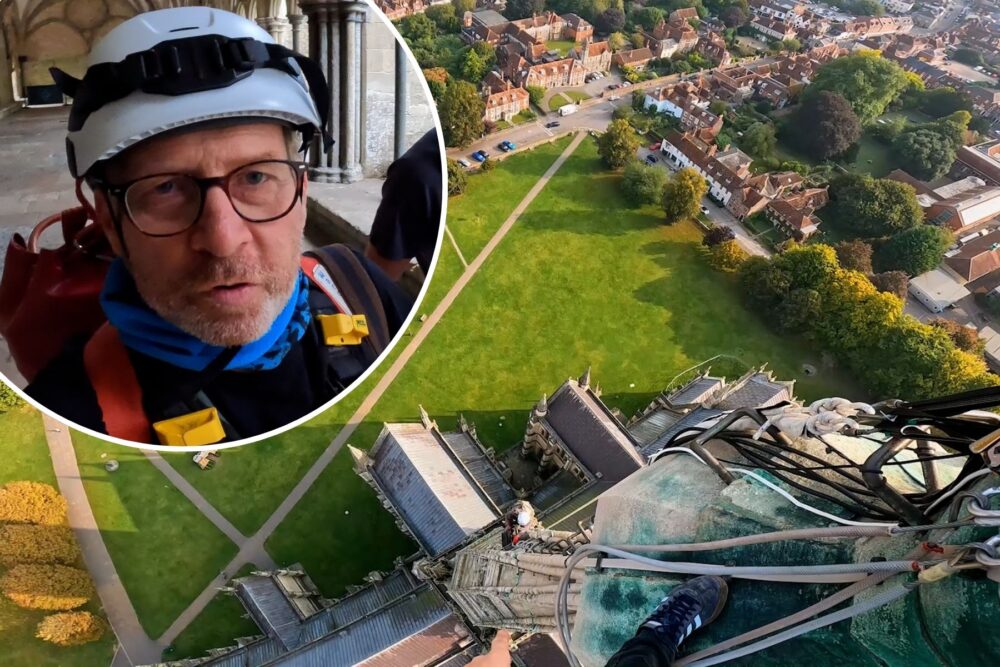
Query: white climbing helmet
[[523, 518], [173, 68]]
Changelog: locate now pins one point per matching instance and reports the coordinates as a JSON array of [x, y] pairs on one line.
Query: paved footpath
[[252, 549], [135, 646]]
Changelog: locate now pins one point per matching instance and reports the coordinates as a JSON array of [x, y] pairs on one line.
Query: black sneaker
[[688, 607]]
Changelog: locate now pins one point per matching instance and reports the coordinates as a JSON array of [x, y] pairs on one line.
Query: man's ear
[[104, 218]]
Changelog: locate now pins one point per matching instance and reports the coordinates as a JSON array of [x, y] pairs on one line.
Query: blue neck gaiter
[[144, 331]]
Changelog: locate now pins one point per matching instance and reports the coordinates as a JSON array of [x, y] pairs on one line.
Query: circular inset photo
[[224, 222]]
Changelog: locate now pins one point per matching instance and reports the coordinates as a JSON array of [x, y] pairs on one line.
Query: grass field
[[558, 101], [563, 46], [23, 450], [569, 287], [25, 456], [577, 95], [164, 549], [221, 622]]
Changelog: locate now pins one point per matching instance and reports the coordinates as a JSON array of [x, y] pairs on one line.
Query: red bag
[[48, 297]]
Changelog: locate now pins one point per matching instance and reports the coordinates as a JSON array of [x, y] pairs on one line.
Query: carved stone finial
[[425, 418], [584, 380]]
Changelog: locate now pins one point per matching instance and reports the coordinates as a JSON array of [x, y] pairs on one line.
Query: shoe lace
[[674, 617]]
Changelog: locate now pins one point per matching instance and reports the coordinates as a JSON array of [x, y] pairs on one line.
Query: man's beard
[[185, 304]]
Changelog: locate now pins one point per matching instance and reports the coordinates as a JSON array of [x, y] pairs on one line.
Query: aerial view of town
[[712, 270]]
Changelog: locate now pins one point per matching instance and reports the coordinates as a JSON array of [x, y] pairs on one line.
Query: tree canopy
[[642, 183], [759, 140], [825, 125], [914, 251], [874, 206], [865, 79], [457, 178], [461, 110], [618, 144], [855, 255], [682, 195], [928, 150], [521, 9]]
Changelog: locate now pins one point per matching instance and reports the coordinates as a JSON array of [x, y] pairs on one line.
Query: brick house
[[595, 56], [793, 215], [637, 59], [503, 99]]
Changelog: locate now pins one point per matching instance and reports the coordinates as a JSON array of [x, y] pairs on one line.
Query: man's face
[[224, 280]]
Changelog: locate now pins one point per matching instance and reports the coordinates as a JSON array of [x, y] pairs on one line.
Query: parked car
[[655, 147], [507, 145], [612, 86], [704, 210], [651, 159], [465, 163], [552, 123], [480, 156]]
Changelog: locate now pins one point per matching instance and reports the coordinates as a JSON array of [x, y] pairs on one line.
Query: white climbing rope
[[822, 417]]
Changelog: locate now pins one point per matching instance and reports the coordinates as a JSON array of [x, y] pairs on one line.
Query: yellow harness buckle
[[195, 429], [341, 329]]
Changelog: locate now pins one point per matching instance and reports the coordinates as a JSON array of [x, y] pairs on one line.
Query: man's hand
[[499, 655]]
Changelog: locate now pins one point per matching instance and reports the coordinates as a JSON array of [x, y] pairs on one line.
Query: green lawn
[[218, 625], [25, 456], [569, 287], [164, 549], [23, 450], [475, 216], [874, 157], [577, 95], [563, 46], [20, 648], [525, 116], [558, 101]]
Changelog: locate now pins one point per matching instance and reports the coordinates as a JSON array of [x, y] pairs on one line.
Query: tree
[[618, 41], [717, 234], [865, 79], [797, 312], [733, 16], [915, 251], [682, 195], [892, 282], [791, 44], [489, 164], [71, 628], [462, 6], [444, 18], [874, 206], [610, 20], [461, 110], [27, 543], [643, 184], [457, 178], [535, 95], [618, 144], [924, 153], [939, 102], [718, 107], [9, 398], [474, 68], [867, 8], [965, 338], [728, 256], [522, 9], [648, 17], [759, 140], [32, 502], [437, 81], [825, 125], [623, 112], [418, 29], [969, 56], [48, 587], [855, 255]]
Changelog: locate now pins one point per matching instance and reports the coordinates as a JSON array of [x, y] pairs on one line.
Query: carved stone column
[[300, 33], [336, 42]]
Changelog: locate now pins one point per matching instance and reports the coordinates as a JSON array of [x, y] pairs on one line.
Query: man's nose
[[220, 231]]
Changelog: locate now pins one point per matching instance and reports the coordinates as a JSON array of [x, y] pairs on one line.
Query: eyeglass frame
[[120, 192]]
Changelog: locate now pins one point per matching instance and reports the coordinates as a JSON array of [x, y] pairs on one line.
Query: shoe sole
[[723, 597]]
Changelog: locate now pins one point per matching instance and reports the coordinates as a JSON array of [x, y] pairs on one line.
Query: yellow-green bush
[[25, 543], [32, 502], [48, 587], [71, 628]]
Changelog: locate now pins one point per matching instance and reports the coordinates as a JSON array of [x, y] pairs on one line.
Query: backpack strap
[[357, 288], [116, 385]]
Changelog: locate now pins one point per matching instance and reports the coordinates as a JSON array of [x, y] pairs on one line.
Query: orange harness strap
[[116, 385]]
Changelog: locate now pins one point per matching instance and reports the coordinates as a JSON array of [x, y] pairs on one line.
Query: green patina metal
[[953, 622]]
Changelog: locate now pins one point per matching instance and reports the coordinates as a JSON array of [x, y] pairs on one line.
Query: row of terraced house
[[784, 198]]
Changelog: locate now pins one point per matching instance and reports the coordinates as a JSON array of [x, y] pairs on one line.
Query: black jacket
[[252, 402]]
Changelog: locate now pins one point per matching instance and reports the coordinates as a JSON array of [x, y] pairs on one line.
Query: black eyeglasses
[[168, 204]]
